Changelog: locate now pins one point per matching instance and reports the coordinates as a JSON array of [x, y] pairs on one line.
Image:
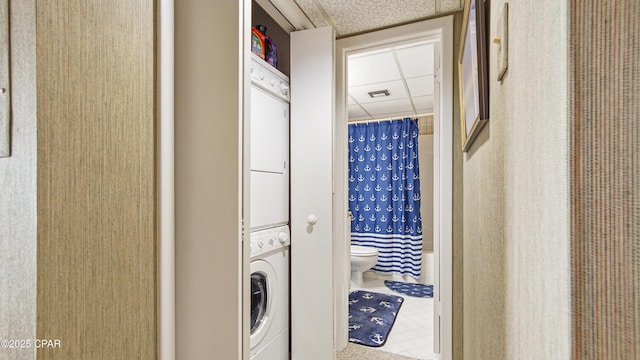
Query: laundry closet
[[269, 195], [291, 219], [213, 197]]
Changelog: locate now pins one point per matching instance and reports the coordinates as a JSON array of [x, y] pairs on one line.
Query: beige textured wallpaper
[[458, 208], [605, 148], [18, 191], [96, 224], [516, 219]]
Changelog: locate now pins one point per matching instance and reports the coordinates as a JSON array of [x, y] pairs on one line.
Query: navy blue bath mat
[[371, 316], [415, 290]]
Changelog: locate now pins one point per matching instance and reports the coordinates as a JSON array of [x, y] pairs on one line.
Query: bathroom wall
[[425, 160], [18, 190], [516, 197]]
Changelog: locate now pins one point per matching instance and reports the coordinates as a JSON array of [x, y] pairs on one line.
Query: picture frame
[[473, 71]]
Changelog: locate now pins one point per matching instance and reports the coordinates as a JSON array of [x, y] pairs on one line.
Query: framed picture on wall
[[473, 71]]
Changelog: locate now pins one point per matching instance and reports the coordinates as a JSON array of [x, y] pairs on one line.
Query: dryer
[[269, 328], [269, 146]]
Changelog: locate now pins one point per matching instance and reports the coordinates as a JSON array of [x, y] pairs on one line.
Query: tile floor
[[412, 333]]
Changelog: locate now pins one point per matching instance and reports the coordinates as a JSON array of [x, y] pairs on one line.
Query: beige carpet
[[359, 352]]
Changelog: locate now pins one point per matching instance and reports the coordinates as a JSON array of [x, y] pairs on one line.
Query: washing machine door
[[263, 308]]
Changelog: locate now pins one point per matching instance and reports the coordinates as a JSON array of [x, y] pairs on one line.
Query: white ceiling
[[349, 17], [405, 71]]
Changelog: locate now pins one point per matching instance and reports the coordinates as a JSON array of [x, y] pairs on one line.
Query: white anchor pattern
[[384, 193], [371, 316]]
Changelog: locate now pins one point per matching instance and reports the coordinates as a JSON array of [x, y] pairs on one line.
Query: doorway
[[440, 32]]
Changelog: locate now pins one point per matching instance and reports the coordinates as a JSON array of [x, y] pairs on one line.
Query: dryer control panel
[[268, 240], [269, 78]]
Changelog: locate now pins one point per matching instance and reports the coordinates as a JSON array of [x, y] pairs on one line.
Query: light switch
[[502, 41]]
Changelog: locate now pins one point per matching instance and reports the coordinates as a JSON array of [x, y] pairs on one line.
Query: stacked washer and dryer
[[270, 243]]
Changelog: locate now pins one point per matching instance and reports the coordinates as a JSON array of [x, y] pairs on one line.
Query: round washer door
[[263, 308]]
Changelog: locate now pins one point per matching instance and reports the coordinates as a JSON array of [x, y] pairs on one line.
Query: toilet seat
[[358, 250]]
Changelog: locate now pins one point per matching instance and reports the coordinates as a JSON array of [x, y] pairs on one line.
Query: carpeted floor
[[359, 352]]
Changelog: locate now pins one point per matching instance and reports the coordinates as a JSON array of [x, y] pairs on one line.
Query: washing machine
[[269, 146], [269, 329]]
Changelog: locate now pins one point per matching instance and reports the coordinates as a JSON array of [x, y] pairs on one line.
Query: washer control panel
[[264, 241], [269, 78]]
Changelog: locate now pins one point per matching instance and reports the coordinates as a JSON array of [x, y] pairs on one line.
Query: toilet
[[363, 258]]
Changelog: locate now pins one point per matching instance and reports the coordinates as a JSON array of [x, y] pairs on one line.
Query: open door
[[312, 111]]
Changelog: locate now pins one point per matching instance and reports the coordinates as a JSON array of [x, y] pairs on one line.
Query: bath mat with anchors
[[371, 316], [415, 290]]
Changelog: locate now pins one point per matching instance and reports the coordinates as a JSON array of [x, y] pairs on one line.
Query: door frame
[[166, 182], [443, 165]]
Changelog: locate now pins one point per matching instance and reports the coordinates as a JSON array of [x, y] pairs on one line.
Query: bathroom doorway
[[439, 34]]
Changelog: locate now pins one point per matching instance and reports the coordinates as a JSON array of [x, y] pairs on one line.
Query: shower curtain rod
[[386, 119]]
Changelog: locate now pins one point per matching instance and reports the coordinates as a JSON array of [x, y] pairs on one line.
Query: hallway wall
[[516, 223], [458, 206], [96, 179], [605, 163], [18, 190], [208, 172]]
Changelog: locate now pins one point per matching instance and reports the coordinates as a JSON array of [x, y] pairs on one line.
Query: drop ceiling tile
[[423, 104], [386, 107], [375, 68], [350, 100], [416, 60], [356, 111], [396, 91], [420, 86]]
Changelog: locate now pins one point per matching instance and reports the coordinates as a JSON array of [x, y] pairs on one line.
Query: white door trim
[[165, 182], [443, 165]]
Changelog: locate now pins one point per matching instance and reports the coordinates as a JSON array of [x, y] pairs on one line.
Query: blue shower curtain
[[384, 193]]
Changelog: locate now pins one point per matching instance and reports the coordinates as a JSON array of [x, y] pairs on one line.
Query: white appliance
[[269, 339], [269, 146]]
